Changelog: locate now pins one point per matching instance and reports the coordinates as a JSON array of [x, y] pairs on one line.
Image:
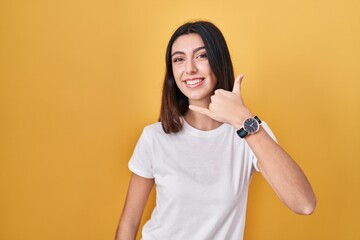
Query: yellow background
[[80, 79]]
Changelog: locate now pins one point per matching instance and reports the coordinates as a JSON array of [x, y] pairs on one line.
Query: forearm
[[282, 173]]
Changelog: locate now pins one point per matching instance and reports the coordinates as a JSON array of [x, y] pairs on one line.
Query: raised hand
[[226, 106]]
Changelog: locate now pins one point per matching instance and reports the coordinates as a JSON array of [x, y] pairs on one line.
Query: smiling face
[[191, 69]]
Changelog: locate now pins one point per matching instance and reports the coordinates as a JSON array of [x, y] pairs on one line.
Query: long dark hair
[[174, 103]]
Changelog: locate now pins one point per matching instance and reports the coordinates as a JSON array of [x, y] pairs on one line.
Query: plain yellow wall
[[80, 79]]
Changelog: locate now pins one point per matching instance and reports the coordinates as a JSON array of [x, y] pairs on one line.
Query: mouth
[[194, 82]]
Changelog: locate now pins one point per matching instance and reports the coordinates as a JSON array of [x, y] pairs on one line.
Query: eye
[[202, 55], [178, 59]]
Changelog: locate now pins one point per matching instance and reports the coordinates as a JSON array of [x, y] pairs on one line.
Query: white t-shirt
[[202, 180]]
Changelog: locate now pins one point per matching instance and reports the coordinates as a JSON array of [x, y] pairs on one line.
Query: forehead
[[187, 42]]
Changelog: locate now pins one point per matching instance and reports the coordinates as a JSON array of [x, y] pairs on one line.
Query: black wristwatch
[[250, 126]]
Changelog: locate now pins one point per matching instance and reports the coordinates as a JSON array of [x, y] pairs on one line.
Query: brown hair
[[174, 103]]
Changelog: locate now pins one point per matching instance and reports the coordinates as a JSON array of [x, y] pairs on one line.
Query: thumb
[[237, 83]]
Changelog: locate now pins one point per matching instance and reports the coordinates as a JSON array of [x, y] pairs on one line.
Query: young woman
[[203, 151]]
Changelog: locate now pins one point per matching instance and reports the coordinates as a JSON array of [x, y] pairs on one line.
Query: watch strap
[[241, 132], [258, 119]]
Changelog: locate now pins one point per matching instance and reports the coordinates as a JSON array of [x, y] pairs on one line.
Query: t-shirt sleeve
[[141, 160], [271, 134]]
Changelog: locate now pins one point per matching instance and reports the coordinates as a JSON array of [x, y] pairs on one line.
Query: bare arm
[[282, 173], [279, 169], [137, 196]]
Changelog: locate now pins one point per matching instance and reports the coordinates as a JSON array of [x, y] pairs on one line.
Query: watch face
[[251, 125]]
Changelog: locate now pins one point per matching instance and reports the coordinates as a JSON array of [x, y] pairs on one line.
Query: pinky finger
[[201, 110]]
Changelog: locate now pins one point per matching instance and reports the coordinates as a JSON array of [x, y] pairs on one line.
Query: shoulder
[[154, 129]]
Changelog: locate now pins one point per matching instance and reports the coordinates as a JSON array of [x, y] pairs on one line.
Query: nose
[[190, 67]]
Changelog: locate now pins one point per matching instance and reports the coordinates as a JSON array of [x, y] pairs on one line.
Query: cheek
[[177, 73], [205, 68]]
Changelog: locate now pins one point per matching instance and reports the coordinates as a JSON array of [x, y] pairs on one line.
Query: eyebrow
[[195, 50]]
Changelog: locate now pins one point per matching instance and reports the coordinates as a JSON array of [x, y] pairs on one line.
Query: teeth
[[193, 82]]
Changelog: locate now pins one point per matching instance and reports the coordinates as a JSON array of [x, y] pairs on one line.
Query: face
[[191, 69]]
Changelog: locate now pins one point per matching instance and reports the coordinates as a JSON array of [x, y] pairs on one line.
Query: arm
[[137, 196], [282, 173], [278, 168]]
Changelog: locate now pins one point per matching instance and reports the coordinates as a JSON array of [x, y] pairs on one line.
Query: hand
[[226, 106]]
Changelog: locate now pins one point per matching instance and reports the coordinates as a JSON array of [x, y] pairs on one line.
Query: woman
[[203, 151]]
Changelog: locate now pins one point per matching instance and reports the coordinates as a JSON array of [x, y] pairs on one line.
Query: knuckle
[[217, 91], [220, 91], [211, 106]]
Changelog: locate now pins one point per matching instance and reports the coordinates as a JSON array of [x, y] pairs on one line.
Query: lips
[[194, 82]]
